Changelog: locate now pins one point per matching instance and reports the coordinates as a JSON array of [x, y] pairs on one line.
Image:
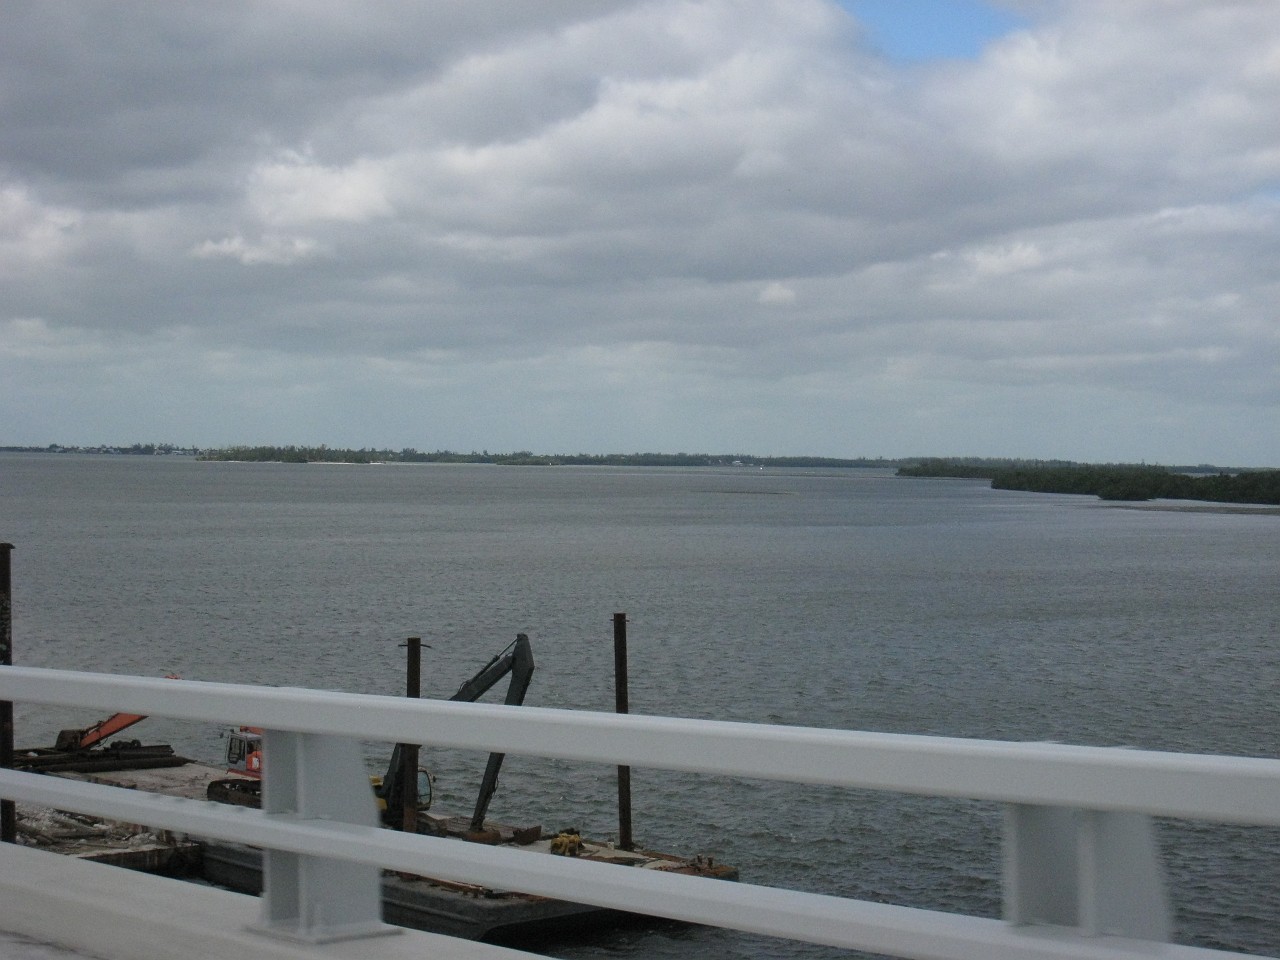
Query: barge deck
[[423, 903]]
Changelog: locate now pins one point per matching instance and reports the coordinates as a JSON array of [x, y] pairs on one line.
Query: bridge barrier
[[1082, 877]]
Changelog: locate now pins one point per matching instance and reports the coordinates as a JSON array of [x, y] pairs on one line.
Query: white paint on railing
[[1195, 786], [1084, 871]]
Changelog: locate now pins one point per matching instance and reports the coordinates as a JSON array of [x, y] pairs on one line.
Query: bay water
[[841, 598]]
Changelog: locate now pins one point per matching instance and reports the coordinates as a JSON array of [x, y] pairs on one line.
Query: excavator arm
[[86, 738], [517, 660], [89, 736]]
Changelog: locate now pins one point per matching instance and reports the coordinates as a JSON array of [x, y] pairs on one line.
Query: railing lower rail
[[1082, 877]]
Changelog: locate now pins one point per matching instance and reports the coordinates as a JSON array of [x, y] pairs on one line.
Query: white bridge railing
[[1082, 878]]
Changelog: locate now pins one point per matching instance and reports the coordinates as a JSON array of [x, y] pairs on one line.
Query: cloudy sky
[[1027, 228]]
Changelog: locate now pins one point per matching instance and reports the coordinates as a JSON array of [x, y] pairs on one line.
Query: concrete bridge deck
[[105, 912]]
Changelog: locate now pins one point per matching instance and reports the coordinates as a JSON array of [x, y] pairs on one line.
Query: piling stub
[[620, 681], [409, 752], [8, 810]]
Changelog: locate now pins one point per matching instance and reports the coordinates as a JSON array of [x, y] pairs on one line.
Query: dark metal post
[[409, 753], [620, 693], [8, 810]]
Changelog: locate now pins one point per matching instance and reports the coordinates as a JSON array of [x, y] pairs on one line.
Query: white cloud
[[1141, 97], [505, 192], [33, 233], [1009, 258], [271, 249], [777, 294], [33, 339], [294, 189]]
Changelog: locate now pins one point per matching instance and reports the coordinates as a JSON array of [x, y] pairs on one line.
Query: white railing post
[[1098, 871], [1040, 865], [1122, 884], [314, 898]]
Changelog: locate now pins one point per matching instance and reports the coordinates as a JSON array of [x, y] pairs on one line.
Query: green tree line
[[1112, 481]]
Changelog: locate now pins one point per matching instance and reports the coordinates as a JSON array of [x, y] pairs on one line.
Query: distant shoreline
[[966, 467], [364, 455], [1198, 489]]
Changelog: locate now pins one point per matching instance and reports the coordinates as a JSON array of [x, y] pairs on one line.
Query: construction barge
[[457, 909], [403, 797]]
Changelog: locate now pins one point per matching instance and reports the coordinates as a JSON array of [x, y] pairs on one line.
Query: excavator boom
[[86, 738], [516, 660], [90, 736]]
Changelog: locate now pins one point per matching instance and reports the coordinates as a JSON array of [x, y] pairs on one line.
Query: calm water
[[836, 599]]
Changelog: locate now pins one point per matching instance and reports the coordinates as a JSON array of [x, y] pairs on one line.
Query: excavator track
[[237, 791]]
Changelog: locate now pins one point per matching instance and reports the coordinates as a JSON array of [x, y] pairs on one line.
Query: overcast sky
[[1032, 229]]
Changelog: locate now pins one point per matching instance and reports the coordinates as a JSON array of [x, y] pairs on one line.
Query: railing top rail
[[1219, 788]]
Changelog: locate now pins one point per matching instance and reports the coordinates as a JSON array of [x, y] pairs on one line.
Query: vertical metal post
[[409, 751], [311, 897], [625, 840], [8, 811], [1096, 870]]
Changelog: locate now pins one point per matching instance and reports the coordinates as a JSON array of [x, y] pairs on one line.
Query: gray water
[[847, 599]]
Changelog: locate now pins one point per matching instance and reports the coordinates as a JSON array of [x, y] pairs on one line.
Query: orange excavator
[[87, 750], [71, 740], [244, 752]]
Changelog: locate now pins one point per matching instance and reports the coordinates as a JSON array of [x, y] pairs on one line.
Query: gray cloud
[[671, 225]]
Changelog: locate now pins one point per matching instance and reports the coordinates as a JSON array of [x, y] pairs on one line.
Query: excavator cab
[[389, 788], [244, 752]]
